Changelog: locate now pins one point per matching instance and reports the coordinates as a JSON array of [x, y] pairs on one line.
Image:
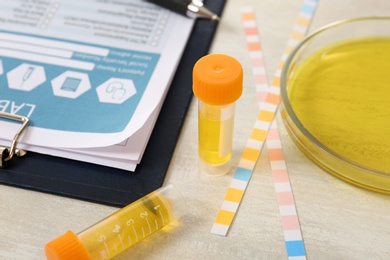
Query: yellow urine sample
[[341, 95], [126, 227], [216, 125]]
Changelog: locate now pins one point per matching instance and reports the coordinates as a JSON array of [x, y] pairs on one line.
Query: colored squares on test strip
[[269, 98], [289, 218], [284, 196], [244, 171], [254, 47]]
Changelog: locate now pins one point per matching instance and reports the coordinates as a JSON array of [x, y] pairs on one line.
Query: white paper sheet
[[91, 75]]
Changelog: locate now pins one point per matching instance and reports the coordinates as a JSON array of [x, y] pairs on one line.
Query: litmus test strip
[[255, 143], [290, 222], [306, 12], [244, 170], [285, 198], [255, 52], [257, 138]]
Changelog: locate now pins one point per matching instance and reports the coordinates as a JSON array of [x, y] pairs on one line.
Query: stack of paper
[[90, 75]]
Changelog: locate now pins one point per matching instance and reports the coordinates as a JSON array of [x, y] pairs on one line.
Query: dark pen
[[190, 8]]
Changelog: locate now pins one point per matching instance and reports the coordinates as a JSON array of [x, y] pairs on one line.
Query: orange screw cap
[[217, 79], [66, 247]]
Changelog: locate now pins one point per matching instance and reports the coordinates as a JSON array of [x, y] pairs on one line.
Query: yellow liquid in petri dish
[[215, 134], [125, 228], [341, 95]]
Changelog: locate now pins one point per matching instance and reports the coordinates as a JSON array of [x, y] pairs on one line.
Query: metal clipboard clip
[[6, 153]]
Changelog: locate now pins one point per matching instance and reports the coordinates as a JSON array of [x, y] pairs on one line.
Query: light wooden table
[[338, 220]]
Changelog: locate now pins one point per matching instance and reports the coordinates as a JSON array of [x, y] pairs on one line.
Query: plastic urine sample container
[[119, 231], [217, 83]]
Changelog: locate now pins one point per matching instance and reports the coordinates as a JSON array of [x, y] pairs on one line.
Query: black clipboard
[[111, 186]]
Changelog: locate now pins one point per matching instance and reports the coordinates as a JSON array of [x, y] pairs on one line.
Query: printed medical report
[[90, 75]]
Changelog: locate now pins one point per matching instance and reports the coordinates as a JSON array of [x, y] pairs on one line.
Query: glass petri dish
[[335, 89]]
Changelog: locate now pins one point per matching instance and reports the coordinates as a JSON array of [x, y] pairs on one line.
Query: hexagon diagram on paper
[[26, 77], [116, 90]]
